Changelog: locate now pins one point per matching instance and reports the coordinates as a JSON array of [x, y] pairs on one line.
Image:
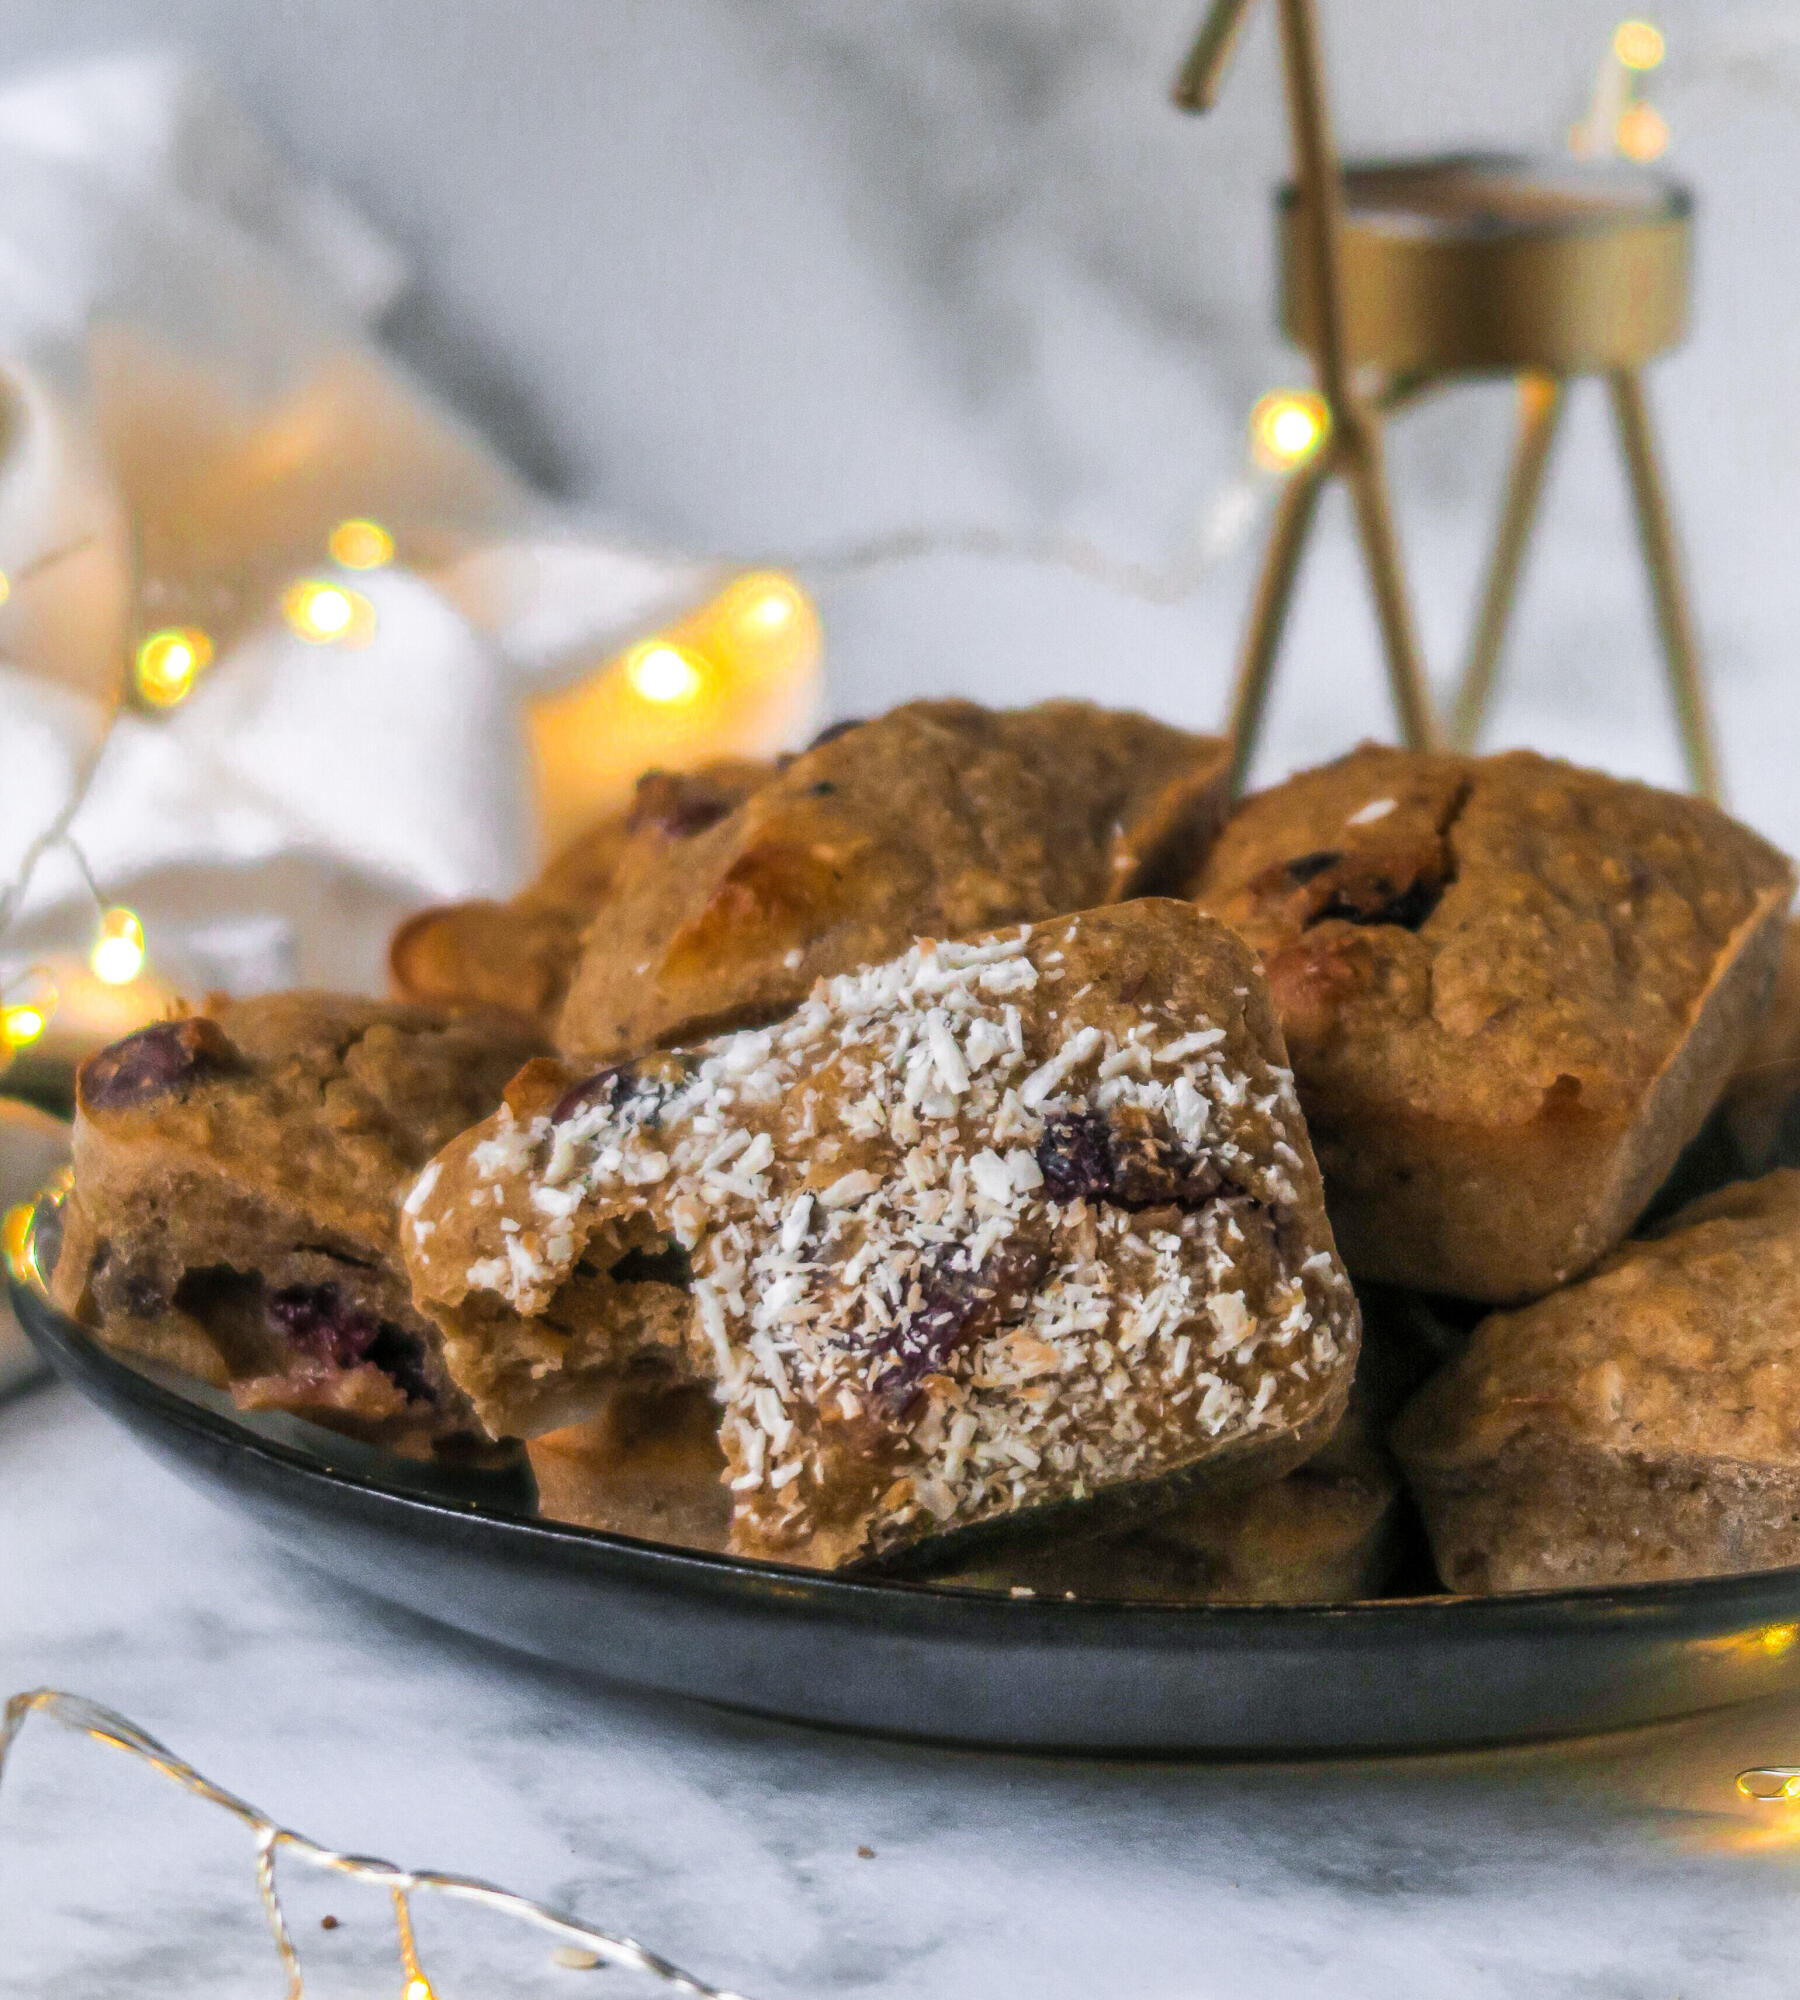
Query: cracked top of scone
[[1684, 1345], [986, 1227], [520, 954], [1480, 938], [939, 818], [329, 1099]]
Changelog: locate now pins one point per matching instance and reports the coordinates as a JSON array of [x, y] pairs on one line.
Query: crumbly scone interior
[[989, 1226]]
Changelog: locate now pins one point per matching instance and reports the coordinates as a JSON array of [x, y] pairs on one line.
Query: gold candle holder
[[1399, 277]]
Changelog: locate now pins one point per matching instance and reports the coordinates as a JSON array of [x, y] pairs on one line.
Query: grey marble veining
[[1625, 1867]]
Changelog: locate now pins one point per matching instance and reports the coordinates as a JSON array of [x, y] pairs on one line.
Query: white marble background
[[755, 277]]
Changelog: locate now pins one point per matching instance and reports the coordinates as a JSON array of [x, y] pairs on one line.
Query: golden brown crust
[[1643, 1423], [648, 1465], [1765, 1086], [939, 819], [986, 1229], [236, 1181], [519, 955], [1511, 990], [1325, 1533]]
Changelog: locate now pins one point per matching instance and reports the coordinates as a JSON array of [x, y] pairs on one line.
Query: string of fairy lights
[[671, 670], [580, 1947], [1286, 429]]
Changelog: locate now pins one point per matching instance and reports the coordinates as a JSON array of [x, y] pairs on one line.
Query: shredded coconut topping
[[890, 1239]]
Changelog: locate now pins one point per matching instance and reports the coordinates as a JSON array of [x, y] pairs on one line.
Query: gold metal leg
[[1365, 470], [1358, 426], [1268, 614], [1657, 532], [1294, 518], [1540, 408]]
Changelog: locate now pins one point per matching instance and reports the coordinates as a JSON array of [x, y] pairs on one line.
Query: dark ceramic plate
[[1404, 1673]]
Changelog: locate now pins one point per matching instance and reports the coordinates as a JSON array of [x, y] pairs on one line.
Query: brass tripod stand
[[1398, 278]]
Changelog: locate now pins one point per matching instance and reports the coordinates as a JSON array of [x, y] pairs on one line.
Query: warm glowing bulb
[[361, 544], [5, 586], [1638, 44], [168, 664], [418, 1987], [15, 1239], [22, 1024], [1642, 132], [1286, 427], [118, 953], [768, 604], [323, 613], [660, 673]]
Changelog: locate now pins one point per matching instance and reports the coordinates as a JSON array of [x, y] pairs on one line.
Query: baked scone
[[1327, 1533], [237, 1176], [649, 1464], [1511, 991], [1644, 1423], [1760, 1110], [1334, 1529], [939, 819], [989, 1227], [520, 954]]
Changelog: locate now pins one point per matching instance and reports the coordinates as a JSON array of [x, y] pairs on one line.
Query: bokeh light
[[1642, 132], [1638, 44], [327, 614], [169, 662], [360, 544], [1286, 427], [663, 673], [118, 954]]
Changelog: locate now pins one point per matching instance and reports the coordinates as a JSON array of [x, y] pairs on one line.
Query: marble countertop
[[1619, 1867], [756, 279]]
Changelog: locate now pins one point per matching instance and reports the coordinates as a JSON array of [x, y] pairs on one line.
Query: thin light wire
[[104, 1725]]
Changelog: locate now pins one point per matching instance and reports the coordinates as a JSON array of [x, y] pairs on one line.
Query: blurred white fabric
[[191, 392]]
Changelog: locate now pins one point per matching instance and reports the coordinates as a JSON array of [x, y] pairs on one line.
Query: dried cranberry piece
[[952, 1308], [317, 1321], [1075, 1157], [678, 803], [155, 1061], [603, 1087], [1124, 1161], [833, 730], [1304, 867]]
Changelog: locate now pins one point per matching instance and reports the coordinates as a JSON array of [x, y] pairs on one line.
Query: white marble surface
[[755, 278], [1624, 1867]]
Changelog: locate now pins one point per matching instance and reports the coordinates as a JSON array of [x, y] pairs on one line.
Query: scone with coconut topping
[[237, 1182], [1512, 991], [988, 1227], [520, 954], [1642, 1424], [940, 818]]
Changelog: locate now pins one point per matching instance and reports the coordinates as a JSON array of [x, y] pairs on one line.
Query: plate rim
[[77, 1356]]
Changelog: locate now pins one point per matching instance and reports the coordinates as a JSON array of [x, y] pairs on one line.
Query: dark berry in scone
[[984, 1230], [237, 1181], [1511, 989]]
